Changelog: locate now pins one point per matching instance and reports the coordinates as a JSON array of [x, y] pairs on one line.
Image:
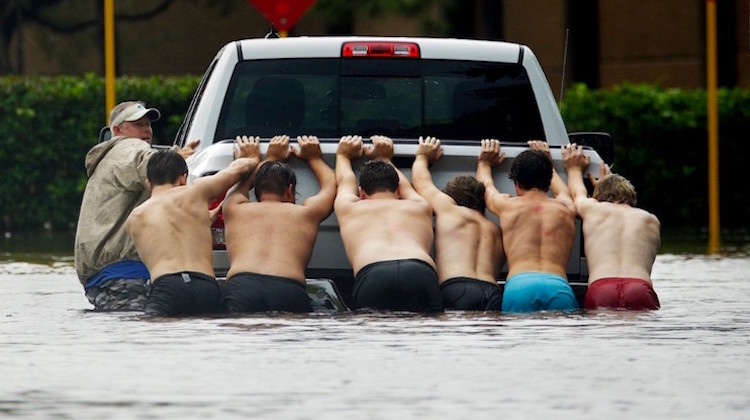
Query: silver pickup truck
[[459, 91]]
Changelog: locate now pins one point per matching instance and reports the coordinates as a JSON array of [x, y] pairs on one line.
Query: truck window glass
[[467, 100], [381, 105], [402, 98], [270, 97]]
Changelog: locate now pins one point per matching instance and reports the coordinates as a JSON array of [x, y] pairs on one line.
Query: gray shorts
[[119, 295]]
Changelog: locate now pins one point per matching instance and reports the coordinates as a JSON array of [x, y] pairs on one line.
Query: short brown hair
[[165, 167], [532, 170], [378, 175], [615, 189], [466, 191], [274, 177]]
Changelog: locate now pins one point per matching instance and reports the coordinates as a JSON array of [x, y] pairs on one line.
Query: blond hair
[[615, 189]]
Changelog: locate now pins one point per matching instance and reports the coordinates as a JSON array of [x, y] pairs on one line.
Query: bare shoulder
[[647, 216], [139, 217], [453, 210], [500, 197], [456, 215], [488, 225], [233, 206], [418, 205], [345, 202], [501, 202], [584, 204], [565, 209], [135, 214], [141, 209]]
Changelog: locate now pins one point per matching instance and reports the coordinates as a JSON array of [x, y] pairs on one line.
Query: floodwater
[[689, 360]]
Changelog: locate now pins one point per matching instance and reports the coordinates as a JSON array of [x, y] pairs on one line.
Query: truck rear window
[[401, 98]]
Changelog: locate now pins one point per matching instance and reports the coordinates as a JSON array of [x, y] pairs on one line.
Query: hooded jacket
[[117, 184]]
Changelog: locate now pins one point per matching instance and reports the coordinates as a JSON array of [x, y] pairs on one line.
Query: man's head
[[378, 175], [532, 170], [615, 189], [166, 167], [467, 192], [276, 178], [133, 119]]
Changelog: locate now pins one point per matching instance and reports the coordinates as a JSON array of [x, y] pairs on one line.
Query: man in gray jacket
[[106, 260]]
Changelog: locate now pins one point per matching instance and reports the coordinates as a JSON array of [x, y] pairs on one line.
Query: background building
[[608, 41]]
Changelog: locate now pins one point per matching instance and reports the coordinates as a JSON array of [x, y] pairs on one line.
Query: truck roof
[[430, 48]]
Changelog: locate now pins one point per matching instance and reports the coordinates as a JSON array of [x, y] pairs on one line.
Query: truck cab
[[460, 91]]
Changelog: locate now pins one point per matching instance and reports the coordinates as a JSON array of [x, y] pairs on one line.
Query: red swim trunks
[[621, 293]]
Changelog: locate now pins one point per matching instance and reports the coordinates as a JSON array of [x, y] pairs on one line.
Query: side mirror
[[601, 142], [105, 134]]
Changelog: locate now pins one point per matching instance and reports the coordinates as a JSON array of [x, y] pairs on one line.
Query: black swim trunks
[[185, 293], [398, 285], [468, 294], [253, 292]]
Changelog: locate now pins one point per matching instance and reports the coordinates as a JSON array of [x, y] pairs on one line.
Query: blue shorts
[[534, 291]]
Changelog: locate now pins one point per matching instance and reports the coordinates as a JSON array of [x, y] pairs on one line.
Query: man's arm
[[382, 148], [489, 156], [557, 185], [604, 171], [189, 149], [575, 163], [278, 149], [428, 151], [321, 204], [248, 147], [350, 148]]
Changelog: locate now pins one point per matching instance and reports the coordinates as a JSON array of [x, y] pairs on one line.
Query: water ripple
[[688, 360]]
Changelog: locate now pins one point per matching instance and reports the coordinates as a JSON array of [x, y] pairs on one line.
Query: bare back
[[382, 229], [467, 244], [180, 214], [620, 241], [538, 233], [274, 238]]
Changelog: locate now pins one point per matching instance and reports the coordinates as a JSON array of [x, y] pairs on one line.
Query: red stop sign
[[282, 13]]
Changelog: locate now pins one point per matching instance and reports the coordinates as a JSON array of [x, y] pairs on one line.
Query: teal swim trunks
[[534, 291]]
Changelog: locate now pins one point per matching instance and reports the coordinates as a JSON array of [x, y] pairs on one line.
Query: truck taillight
[[380, 49], [217, 228]]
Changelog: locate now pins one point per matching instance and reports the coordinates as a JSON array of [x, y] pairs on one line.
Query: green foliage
[[48, 124], [661, 145]]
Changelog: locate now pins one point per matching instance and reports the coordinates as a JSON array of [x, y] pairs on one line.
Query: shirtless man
[[468, 247], [172, 231], [269, 242], [538, 231], [387, 232], [621, 241]]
